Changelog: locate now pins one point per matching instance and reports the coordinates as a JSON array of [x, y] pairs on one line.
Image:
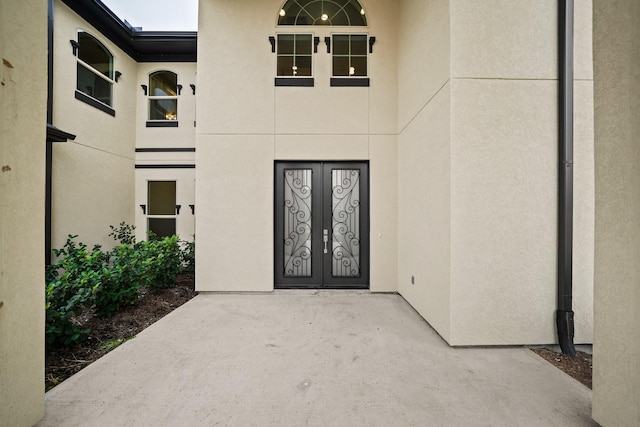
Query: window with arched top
[[163, 98], [349, 47], [95, 73], [322, 12]]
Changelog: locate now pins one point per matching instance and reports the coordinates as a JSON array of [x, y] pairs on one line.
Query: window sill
[[350, 82], [160, 124], [295, 81], [167, 166], [95, 103]]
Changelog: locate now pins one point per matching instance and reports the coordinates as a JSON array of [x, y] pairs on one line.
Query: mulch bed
[[579, 367], [107, 334]]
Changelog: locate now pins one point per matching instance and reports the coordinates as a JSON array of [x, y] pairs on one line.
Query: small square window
[[358, 66], [350, 60], [341, 45], [294, 60], [285, 65], [162, 227], [359, 45], [303, 45], [350, 55], [341, 66], [163, 109], [162, 198], [286, 44], [294, 55]]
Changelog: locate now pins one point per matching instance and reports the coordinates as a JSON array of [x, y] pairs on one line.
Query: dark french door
[[322, 225]]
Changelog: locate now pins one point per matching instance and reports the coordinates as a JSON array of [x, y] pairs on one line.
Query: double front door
[[322, 225]]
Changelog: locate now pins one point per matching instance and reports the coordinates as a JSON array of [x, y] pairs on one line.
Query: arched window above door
[[323, 12]]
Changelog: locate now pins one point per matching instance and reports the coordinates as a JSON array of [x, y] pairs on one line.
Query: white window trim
[[96, 72], [313, 61], [161, 97], [357, 56]]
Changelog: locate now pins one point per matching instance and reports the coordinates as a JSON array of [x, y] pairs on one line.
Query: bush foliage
[[106, 281]]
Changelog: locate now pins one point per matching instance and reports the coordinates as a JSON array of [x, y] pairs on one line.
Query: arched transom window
[[322, 12]]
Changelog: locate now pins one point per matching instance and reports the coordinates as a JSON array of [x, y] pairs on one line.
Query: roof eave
[[142, 46]]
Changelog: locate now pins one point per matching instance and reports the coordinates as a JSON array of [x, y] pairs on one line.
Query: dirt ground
[[579, 367], [107, 334]]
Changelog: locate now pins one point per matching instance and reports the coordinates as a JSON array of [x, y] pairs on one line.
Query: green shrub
[[71, 284], [120, 281], [166, 261], [123, 233], [188, 254], [108, 281]]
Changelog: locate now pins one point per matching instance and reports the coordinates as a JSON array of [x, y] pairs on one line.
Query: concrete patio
[[312, 358]]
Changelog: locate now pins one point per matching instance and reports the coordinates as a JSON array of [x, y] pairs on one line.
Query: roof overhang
[[142, 46], [57, 135]]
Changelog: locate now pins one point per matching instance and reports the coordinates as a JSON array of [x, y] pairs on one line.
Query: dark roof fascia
[[142, 46], [57, 135]]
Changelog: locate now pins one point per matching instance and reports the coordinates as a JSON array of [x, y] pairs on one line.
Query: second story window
[[294, 59], [95, 76], [294, 55], [350, 55], [349, 60], [163, 99]]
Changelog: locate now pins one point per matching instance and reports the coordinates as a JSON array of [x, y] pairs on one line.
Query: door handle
[[325, 239]]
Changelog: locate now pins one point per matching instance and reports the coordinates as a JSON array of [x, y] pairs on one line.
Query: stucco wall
[[244, 124], [616, 359], [424, 160], [167, 139], [504, 172], [23, 89], [185, 196], [181, 136], [474, 88], [478, 169], [93, 176]]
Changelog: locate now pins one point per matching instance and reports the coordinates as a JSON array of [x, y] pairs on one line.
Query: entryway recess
[[322, 225]]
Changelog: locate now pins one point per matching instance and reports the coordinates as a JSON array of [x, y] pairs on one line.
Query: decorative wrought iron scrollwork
[[346, 222], [297, 222]]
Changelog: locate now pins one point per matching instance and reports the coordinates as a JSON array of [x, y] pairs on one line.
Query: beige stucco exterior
[[460, 128], [490, 154], [23, 91], [93, 176], [254, 123], [168, 139], [185, 196], [184, 134], [616, 358], [504, 172], [424, 160]]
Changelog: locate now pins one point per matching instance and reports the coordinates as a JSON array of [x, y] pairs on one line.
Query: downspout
[[49, 146], [564, 314], [53, 135]]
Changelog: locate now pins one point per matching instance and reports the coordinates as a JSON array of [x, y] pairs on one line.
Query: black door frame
[[321, 277]]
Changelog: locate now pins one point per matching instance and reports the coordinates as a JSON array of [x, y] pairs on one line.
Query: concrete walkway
[[306, 358]]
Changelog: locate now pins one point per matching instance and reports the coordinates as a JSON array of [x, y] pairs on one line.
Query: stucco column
[[616, 375], [23, 91]]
